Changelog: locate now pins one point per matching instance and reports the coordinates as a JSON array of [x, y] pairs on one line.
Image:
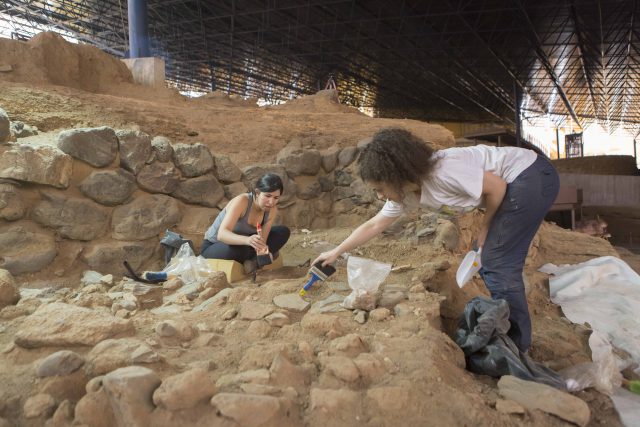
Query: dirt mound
[[49, 59], [324, 101]]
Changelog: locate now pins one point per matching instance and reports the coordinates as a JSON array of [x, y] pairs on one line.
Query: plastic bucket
[[469, 266]]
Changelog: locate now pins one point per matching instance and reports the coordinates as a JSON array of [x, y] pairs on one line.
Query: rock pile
[[107, 195]]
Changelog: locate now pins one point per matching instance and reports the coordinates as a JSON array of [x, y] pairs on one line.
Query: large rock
[[250, 310], [40, 405], [96, 146], [347, 156], [193, 159], [251, 410], [94, 410], [447, 235], [26, 248], [308, 187], [135, 149], [61, 362], [130, 392], [11, 206], [40, 165], [162, 148], [145, 217], [159, 178], [235, 189], [9, 293], [185, 390], [226, 171], [204, 190], [111, 354], [251, 174], [299, 161], [330, 158], [74, 218], [5, 127], [109, 188], [108, 256], [534, 395], [59, 324]]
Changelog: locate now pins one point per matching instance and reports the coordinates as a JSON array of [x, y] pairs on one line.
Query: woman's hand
[[256, 243], [326, 258]]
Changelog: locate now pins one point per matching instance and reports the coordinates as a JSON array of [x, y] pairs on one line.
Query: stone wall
[[94, 197]]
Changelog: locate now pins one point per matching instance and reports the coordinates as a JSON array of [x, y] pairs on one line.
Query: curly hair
[[396, 156]]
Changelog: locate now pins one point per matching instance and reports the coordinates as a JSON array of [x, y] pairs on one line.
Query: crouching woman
[[235, 235]]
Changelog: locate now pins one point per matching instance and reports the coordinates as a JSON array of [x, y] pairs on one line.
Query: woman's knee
[[281, 232]]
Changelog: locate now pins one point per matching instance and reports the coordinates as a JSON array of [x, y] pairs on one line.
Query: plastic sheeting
[[482, 335], [605, 293]]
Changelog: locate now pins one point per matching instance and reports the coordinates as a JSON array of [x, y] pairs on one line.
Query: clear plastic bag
[[364, 276], [186, 265], [602, 374]]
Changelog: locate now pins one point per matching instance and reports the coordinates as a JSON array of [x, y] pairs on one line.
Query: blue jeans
[[526, 202]]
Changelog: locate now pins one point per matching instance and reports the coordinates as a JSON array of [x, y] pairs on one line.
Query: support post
[[138, 34], [635, 151], [558, 141], [518, 97]]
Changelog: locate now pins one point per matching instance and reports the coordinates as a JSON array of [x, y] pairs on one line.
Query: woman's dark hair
[[268, 183], [395, 156]]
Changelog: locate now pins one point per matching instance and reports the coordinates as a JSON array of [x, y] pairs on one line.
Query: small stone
[[250, 310], [144, 354], [185, 390], [230, 314], [278, 319], [291, 302], [173, 283], [62, 362], [533, 395], [39, 405], [107, 279], [242, 409], [379, 314], [425, 231], [349, 345], [5, 68], [360, 317], [174, 328], [331, 304], [147, 296], [402, 309]]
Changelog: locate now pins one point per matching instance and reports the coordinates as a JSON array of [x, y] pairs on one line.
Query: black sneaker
[[250, 266]]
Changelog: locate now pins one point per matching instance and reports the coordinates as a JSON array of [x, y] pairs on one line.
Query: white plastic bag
[[364, 276], [603, 373], [186, 265]]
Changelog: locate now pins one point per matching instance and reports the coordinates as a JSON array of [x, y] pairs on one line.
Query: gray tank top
[[242, 227]]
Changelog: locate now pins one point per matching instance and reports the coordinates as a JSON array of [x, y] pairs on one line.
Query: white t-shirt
[[456, 180]]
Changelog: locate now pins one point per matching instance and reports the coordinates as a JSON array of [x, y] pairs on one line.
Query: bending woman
[[516, 186], [233, 234]]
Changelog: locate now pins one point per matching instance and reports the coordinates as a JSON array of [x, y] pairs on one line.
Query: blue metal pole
[[138, 35]]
